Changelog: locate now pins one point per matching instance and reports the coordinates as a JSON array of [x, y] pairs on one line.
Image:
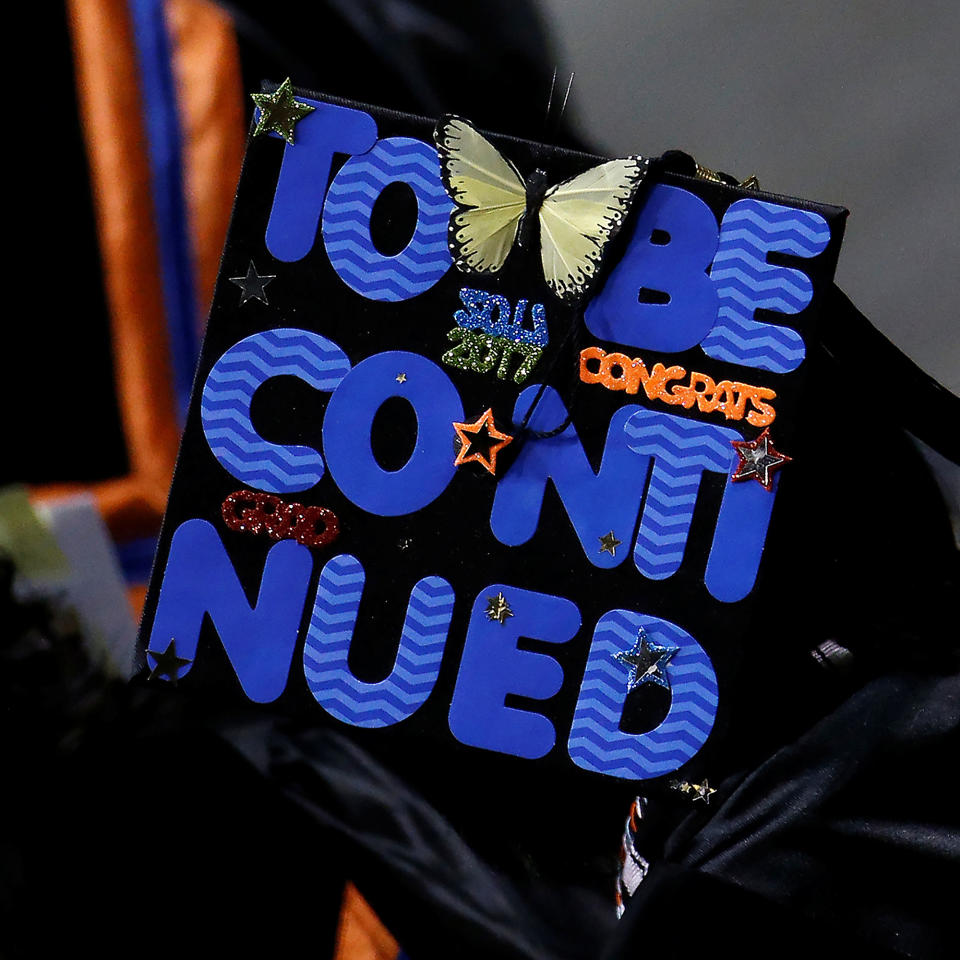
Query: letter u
[[330, 634]]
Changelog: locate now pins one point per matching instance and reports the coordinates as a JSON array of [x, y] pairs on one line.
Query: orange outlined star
[[468, 432]]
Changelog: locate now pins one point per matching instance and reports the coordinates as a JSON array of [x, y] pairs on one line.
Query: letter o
[[349, 418], [346, 221]]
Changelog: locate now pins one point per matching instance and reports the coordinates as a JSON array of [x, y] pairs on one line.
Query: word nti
[[676, 452], [617, 371]]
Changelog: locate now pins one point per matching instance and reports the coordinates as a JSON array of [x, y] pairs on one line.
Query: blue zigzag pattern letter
[[329, 636], [596, 741], [199, 579], [229, 390], [745, 282], [305, 170], [738, 539], [492, 666], [346, 221], [597, 503], [681, 450]]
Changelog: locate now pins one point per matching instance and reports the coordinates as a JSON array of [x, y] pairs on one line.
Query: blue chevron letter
[[228, 393], [682, 449], [597, 503], [327, 648], [745, 283], [596, 741], [492, 666], [659, 295], [199, 579], [305, 170], [346, 221]]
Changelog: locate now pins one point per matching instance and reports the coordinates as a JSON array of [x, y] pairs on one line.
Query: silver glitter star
[[648, 660], [253, 285], [758, 460]]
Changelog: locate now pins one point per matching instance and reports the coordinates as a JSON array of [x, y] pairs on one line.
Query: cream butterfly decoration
[[577, 217]]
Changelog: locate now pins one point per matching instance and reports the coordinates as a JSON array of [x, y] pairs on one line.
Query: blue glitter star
[[649, 661]]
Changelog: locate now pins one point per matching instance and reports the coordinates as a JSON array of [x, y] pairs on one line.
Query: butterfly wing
[[489, 192], [579, 217]]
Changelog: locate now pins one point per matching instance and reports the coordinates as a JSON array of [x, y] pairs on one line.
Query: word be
[[617, 371], [248, 511]]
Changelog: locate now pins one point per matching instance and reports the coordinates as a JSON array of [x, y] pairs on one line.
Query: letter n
[[200, 580], [596, 503]]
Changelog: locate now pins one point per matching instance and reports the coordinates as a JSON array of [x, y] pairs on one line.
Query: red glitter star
[[758, 459]]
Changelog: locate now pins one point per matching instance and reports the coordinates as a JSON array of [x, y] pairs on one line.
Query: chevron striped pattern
[[682, 449], [746, 282], [225, 406], [596, 742], [330, 633], [346, 221]]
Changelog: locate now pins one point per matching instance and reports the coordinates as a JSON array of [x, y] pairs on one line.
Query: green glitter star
[[279, 111]]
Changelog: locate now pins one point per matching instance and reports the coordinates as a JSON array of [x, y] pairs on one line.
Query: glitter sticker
[[248, 511], [279, 112], [617, 371], [758, 459], [489, 336]]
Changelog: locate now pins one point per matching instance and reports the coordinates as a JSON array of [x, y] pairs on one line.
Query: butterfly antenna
[[553, 84], [566, 96]]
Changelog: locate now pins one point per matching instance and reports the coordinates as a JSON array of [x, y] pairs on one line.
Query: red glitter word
[[249, 511]]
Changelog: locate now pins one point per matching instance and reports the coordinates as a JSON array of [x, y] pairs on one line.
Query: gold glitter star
[[279, 111], [498, 608], [401, 378], [609, 543], [703, 791]]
